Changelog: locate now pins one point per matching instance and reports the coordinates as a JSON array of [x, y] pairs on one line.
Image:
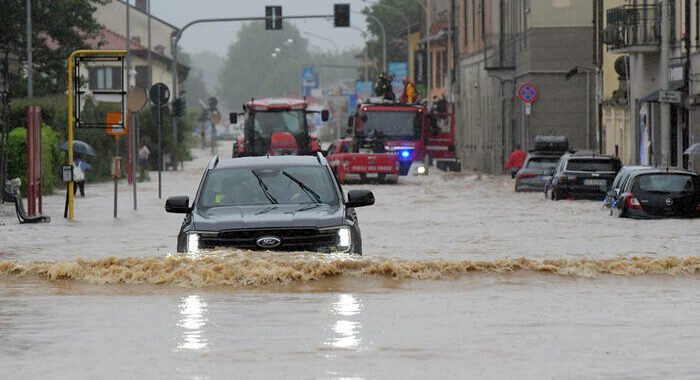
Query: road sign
[[400, 71], [307, 73], [160, 94], [273, 17], [114, 120], [669, 96], [527, 92], [136, 99]]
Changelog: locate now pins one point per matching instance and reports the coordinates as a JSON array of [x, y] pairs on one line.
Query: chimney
[[141, 5]]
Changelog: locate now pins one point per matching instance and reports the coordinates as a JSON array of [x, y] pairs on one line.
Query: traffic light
[[179, 107], [341, 15], [273, 17]]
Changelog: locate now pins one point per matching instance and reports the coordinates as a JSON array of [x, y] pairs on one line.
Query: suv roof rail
[[214, 161], [321, 159]]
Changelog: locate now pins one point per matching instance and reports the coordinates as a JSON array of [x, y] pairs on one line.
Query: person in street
[[144, 153], [380, 85], [409, 91], [79, 169], [515, 162]]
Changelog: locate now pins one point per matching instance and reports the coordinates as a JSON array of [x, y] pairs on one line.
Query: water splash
[[255, 269]]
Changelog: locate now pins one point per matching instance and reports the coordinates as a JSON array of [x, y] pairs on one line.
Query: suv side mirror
[[233, 118], [178, 205], [360, 198], [324, 115]]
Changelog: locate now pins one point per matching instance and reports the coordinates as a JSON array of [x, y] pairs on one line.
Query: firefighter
[[380, 85], [409, 91]]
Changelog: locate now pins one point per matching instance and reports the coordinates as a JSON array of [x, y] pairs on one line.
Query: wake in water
[[254, 269]]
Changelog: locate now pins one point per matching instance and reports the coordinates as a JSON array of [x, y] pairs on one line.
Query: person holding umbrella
[[79, 165], [79, 169]]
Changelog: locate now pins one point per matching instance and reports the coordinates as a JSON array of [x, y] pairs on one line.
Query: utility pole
[[30, 76], [665, 107]]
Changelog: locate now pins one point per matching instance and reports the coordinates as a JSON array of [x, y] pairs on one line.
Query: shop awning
[[654, 96]]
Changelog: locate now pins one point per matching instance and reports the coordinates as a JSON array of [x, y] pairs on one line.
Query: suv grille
[[293, 239]]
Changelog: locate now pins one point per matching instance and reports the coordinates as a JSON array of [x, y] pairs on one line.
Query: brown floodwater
[[461, 278]]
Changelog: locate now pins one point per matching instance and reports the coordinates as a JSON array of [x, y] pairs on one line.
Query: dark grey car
[[285, 203], [536, 171]]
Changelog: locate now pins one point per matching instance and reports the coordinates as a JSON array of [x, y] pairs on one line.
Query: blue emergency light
[[405, 153]]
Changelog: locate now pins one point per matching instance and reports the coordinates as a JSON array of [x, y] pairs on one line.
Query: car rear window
[[666, 183], [591, 165], [542, 162]]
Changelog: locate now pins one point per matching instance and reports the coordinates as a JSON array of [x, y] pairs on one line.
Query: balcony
[[635, 28]]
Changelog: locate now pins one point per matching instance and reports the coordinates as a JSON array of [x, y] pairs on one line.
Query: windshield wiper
[[265, 188], [312, 194]]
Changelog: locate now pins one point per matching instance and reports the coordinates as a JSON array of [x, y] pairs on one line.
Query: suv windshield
[[665, 183], [241, 187], [542, 162], [395, 125], [591, 165]]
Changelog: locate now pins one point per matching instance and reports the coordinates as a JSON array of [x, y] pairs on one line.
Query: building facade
[[505, 44]]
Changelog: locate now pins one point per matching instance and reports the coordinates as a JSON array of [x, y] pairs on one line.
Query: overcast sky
[[218, 36]]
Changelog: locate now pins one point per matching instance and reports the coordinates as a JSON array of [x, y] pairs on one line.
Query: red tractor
[[275, 126], [418, 136]]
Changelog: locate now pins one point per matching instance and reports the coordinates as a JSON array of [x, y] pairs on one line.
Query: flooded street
[[460, 277]]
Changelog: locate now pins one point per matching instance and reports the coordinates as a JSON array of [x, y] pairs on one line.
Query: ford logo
[[669, 201], [268, 241]]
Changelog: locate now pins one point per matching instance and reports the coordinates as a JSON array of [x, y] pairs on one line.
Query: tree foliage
[[395, 26], [251, 71], [66, 23]]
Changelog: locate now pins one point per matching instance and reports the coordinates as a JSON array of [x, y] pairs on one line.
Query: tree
[[250, 70], [395, 27], [64, 23]]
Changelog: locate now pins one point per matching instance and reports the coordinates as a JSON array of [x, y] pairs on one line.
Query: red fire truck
[[358, 161], [418, 137], [275, 126]]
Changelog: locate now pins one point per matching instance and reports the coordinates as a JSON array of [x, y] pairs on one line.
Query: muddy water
[[461, 278]]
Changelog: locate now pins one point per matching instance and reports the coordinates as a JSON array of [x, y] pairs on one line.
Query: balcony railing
[[635, 28]]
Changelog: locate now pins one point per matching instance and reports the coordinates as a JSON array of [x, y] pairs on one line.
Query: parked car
[[659, 193], [536, 171], [582, 176], [622, 176], [281, 203], [540, 163]]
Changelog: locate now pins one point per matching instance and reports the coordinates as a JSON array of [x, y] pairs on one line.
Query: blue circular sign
[[527, 92]]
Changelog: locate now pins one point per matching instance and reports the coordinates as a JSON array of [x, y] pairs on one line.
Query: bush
[[54, 111], [50, 158]]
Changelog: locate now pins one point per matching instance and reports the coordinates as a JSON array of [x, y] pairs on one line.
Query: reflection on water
[[192, 320], [347, 331]]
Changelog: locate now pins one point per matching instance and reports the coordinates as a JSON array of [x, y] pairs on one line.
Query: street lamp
[[408, 25], [323, 38], [381, 25]]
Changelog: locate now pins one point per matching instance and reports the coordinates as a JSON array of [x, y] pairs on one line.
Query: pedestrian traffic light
[[179, 107], [273, 17], [341, 15]]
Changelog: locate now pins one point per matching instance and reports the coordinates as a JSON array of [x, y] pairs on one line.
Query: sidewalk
[[94, 232]]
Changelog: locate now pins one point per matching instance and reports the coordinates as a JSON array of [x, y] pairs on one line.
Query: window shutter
[[116, 78]]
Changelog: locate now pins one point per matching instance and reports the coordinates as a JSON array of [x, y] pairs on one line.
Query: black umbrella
[[79, 147]]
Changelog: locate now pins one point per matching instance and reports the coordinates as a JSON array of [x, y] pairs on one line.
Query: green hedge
[[55, 113], [50, 158]]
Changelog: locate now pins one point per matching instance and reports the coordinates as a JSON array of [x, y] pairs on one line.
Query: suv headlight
[[192, 243], [343, 240]]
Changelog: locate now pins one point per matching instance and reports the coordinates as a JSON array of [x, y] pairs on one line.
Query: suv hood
[[268, 216]]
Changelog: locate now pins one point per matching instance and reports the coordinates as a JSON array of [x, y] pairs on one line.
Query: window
[[241, 187], [591, 165], [105, 78], [142, 76], [542, 162], [665, 183]]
